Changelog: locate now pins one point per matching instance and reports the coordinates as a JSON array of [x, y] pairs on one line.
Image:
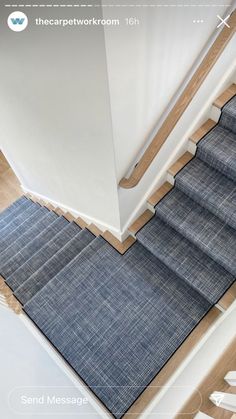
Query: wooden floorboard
[[141, 221], [94, 229], [202, 131], [160, 193], [121, 247], [225, 96], [228, 298], [180, 163], [10, 189]]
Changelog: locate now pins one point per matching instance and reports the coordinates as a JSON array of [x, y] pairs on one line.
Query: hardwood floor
[[10, 188]]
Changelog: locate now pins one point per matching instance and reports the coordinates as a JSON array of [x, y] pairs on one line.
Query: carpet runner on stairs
[[40, 257], [20, 242], [117, 319], [217, 150], [54, 265]]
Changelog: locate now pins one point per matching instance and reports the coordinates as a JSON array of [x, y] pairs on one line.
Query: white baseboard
[[89, 220]]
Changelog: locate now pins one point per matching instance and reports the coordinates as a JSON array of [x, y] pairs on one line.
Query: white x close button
[[223, 21]]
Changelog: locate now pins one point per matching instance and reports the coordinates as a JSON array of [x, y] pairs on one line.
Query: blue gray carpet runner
[[117, 319]]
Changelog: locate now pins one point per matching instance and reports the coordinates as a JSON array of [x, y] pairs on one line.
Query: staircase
[[118, 318]]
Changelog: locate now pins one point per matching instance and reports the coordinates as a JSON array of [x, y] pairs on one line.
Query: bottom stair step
[[117, 319], [54, 265]]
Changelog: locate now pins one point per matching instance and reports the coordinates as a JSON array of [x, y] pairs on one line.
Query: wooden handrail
[[178, 109]]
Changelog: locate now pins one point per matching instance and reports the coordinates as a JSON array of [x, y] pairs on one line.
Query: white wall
[[55, 112]]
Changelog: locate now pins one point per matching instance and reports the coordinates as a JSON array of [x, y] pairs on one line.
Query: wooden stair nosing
[[35, 199], [159, 194], [28, 196], [121, 247], [69, 217], [94, 230], [174, 362], [4, 289], [180, 163], [10, 299], [59, 211], [202, 131], [228, 298], [50, 207], [81, 223], [225, 96], [141, 221], [14, 304]]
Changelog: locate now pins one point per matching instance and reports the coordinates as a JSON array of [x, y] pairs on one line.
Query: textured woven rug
[[118, 319]]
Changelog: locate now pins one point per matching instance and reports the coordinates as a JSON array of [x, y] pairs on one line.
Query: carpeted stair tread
[[13, 209], [34, 245], [54, 265], [16, 222], [200, 226], [210, 188], [22, 241], [218, 150], [40, 257], [228, 116], [186, 259], [117, 319], [18, 232]]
